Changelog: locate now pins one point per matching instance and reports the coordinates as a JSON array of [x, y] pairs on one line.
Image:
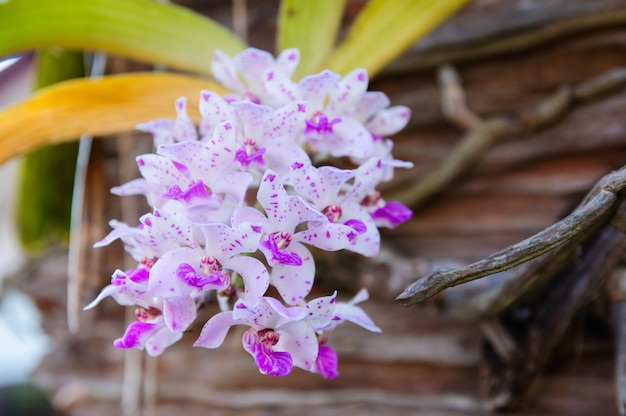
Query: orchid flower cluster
[[238, 199]]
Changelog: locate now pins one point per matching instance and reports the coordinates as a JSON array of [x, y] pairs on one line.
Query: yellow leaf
[[106, 105]]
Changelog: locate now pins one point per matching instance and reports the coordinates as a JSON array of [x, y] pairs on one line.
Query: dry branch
[[484, 134], [599, 206]]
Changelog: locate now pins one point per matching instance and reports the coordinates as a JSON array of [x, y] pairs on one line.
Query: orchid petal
[[161, 130], [224, 71], [254, 274], [275, 363], [327, 362], [370, 103], [294, 282], [316, 88], [392, 214], [136, 335], [252, 117], [214, 111], [159, 170], [290, 314], [280, 88], [163, 280], [389, 121], [288, 60], [160, 340], [348, 91], [179, 312], [215, 330], [355, 315], [300, 341], [350, 138], [327, 236], [287, 120], [183, 128]]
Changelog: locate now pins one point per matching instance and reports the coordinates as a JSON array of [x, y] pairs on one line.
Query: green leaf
[[384, 29], [140, 29], [310, 26], [44, 201]]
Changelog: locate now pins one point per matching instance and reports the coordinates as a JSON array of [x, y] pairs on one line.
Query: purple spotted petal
[[300, 340], [283, 211], [367, 177], [288, 60], [315, 89], [367, 243], [321, 311], [214, 111], [205, 160], [254, 274], [214, 331], [227, 242], [252, 117], [166, 230], [179, 312], [161, 171], [327, 236], [294, 282], [319, 185], [124, 289], [357, 225], [280, 88], [183, 128], [348, 91], [389, 121], [351, 139], [282, 152], [288, 120]]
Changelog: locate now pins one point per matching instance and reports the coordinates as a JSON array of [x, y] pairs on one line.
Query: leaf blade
[[310, 26], [383, 30], [140, 29], [102, 106]]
